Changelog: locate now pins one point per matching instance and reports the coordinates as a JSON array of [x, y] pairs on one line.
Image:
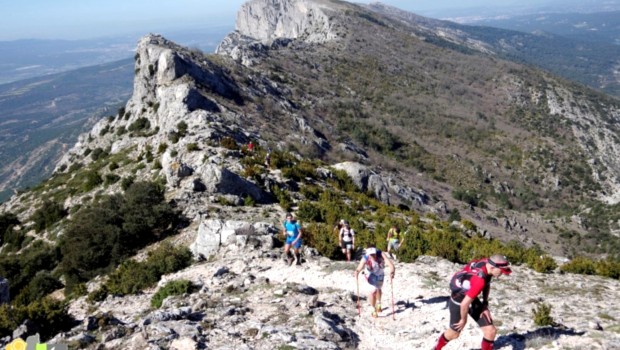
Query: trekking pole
[[359, 307], [392, 288]]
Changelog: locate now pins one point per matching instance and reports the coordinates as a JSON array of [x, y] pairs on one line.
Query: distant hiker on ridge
[[466, 285], [292, 231], [346, 240], [268, 159], [393, 238], [373, 264]]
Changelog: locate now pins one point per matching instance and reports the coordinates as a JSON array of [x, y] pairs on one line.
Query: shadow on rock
[[519, 341], [436, 300]]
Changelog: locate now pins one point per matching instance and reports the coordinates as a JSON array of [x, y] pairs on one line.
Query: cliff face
[[266, 20]]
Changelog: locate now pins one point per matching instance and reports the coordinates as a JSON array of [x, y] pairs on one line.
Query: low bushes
[[48, 314], [102, 235], [132, 276], [171, 288]]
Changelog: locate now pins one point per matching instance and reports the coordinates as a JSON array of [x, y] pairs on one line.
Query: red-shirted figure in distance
[[466, 285]]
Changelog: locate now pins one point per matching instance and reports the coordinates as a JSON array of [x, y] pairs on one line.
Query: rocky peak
[[271, 22], [266, 20]]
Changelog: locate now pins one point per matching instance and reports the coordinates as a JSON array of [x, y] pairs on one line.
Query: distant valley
[[23, 59], [40, 118], [601, 27]]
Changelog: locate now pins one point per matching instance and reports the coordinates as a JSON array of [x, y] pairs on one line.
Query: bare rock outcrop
[[212, 234], [387, 189]]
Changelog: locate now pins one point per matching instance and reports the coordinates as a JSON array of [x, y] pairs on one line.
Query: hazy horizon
[[89, 19]]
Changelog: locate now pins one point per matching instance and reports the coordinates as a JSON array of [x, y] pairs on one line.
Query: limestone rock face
[[387, 190], [262, 24], [222, 180], [215, 233], [266, 20]]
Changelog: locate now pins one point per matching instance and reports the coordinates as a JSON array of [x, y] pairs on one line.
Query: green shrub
[[171, 288], [229, 143], [467, 196], [101, 236], [309, 212], [252, 172], [42, 284], [182, 128], [162, 148], [48, 214], [580, 265], [469, 225], [342, 181], [249, 201], [97, 153], [49, 315], [132, 277], [300, 171], [311, 192], [113, 166], [140, 124], [174, 137], [75, 166], [283, 197], [98, 294], [543, 263], [104, 131], [323, 239], [111, 179], [541, 315], [91, 180], [192, 147], [148, 154], [608, 268], [7, 222], [126, 182], [454, 215]]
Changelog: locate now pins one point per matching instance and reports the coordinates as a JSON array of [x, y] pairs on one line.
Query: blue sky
[[81, 19]]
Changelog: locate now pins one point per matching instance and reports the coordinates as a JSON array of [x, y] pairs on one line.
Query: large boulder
[[366, 179], [221, 180], [215, 233]]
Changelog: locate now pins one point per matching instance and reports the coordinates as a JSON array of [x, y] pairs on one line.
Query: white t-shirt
[[347, 234]]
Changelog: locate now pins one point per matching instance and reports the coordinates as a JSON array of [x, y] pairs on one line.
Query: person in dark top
[[466, 285]]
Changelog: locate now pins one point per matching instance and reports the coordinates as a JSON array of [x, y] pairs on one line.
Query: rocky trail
[[251, 299]]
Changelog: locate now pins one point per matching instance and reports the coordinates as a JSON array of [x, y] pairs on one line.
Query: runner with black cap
[[466, 285]]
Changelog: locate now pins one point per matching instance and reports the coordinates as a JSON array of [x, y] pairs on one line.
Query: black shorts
[[346, 245], [475, 310]]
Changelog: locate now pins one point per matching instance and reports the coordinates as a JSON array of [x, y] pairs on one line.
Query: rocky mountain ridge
[[190, 113]]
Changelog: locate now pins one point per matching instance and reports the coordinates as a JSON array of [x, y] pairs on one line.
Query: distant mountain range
[[600, 27], [22, 59], [573, 53]]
